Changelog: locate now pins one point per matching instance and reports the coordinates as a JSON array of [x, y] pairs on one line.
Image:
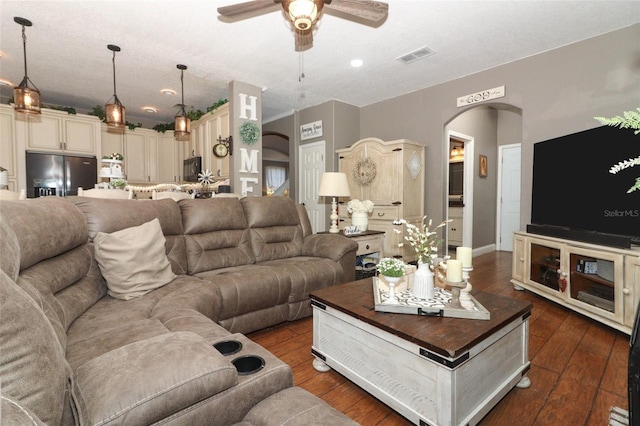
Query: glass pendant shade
[[26, 99], [182, 125], [115, 111], [303, 13]]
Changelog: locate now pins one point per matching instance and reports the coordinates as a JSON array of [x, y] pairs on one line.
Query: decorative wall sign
[[485, 95], [311, 130], [364, 172]]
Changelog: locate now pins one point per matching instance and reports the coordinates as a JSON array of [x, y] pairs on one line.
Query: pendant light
[[183, 124], [303, 13], [115, 110], [27, 99]]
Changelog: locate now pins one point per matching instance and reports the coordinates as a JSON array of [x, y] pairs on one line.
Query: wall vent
[[423, 52]]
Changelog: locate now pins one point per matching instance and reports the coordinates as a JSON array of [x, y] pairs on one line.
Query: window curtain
[[275, 176]]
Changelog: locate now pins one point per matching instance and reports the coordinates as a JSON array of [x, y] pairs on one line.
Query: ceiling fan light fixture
[[303, 13], [182, 128], [26, 99], [115, 111]]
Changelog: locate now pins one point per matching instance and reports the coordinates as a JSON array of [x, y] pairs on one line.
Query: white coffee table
[[431, 370]]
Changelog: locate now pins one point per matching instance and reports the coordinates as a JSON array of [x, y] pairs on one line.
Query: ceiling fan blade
[[304, 39], [371, 11], [246, 7]]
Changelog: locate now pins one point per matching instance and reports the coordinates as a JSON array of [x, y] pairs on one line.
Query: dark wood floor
[[578, 366]]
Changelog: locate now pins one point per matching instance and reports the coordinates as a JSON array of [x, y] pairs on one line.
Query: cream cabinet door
[[387, 185], [53, 132], [631, 289], [167, 158], [8, 158], [111, 141], [135, 158]]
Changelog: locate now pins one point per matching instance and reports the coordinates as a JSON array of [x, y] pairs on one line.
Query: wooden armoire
[[391, 174]]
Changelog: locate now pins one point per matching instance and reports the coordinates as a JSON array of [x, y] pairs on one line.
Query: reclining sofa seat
[[73, 352]]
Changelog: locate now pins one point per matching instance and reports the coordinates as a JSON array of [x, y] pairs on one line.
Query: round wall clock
[[220, 150]]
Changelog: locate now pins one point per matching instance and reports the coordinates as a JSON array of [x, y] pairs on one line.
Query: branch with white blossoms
[[628, 120], [357, 206], [423, 239]]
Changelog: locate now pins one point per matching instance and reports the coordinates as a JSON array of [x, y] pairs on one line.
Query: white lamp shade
[[334, 184]]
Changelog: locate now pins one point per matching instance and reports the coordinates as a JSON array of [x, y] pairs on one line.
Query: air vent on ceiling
[[423, 52]]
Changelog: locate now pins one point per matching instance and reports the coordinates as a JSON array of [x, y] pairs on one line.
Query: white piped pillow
[[133, 260]]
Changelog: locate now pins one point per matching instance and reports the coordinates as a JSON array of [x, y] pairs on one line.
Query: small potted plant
[[360, 212], [392, 270]]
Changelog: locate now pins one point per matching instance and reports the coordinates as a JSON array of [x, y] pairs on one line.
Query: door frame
[[467, 209], [501, 149], [317, 222]]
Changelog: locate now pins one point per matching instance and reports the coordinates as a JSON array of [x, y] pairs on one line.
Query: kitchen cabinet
[[600, 282], [8, 157], [455, 226], [168, 163], [59, 131], [141, 156], [204, 135], [391, 175]]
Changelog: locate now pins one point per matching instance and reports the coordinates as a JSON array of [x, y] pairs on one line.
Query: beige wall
[[558, 92]]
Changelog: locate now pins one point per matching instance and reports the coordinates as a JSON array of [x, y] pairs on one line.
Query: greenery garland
[[193, 116], [249, 132]]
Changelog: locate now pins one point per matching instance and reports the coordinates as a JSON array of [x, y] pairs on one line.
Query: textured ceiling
[[69, 62]]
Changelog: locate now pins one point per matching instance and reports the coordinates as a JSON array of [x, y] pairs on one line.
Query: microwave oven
[[191, 168]]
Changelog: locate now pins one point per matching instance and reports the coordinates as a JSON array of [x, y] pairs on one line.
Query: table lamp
[[334, 184]]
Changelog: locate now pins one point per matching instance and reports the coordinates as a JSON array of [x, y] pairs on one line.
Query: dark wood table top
[[449, 337]]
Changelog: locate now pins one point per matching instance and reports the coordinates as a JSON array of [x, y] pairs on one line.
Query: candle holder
[[465, 297], [456, 287]]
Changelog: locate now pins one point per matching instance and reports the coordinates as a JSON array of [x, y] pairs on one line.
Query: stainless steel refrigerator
[[59, 175]]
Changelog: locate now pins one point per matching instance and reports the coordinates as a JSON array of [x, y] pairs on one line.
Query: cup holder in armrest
[[248, 364], [228, 347]]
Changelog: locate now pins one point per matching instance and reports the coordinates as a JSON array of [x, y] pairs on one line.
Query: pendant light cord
[[24, 50], [113, 60], [182, 85]]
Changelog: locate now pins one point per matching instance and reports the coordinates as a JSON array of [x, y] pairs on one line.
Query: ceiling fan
[[303, 14]]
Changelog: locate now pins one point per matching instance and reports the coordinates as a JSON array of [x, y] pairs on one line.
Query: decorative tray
[[438, 306]]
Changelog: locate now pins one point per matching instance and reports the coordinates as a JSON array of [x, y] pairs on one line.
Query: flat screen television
[[575, 194]]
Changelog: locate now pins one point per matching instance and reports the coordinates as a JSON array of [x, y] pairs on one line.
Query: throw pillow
[[133, 261]]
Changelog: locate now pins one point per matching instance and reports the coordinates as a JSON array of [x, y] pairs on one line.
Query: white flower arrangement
[[113, 156], [357, 206], [391, 267], [423, 239]]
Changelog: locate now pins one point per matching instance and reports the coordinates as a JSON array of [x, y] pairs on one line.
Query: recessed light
[[168, 92], [356, 63], [4, 82], [150, 109]]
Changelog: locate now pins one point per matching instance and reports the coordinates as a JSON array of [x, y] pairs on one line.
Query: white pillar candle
[[464, 254], [454, 270]]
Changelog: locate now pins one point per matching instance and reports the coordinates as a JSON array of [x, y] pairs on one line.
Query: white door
[[508, 195], [311, 167]]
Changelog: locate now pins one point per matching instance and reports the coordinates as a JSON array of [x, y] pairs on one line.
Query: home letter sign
[[251, 107]]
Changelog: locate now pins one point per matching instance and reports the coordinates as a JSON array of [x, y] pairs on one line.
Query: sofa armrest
[[149, 380], [335, 247], [331, 246]]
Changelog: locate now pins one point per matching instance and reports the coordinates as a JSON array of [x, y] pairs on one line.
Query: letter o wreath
[[364, 172]]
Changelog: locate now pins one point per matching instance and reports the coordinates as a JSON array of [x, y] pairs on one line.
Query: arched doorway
[[481, 130]]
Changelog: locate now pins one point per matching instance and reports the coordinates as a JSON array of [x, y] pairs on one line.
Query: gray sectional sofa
[[82, 341]]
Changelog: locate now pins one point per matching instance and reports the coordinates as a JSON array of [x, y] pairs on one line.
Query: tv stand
[[600, 238], [598, 281]]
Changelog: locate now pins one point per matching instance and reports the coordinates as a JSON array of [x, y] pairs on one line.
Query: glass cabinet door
[[591, 281], [544, 269]]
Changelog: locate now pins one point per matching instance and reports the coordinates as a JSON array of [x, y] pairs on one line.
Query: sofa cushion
[[33, 369], [104, 215], [149, 380], [133, 260], [216, 234], [276, 232]]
